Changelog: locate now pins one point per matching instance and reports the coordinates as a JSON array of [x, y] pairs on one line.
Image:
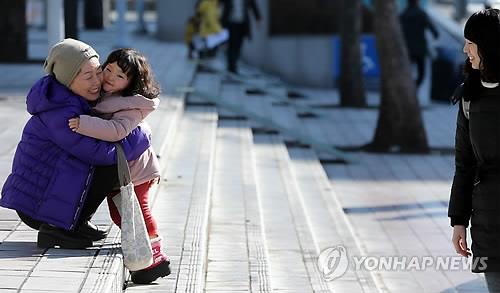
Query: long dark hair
[[138, 70], [483, 28]]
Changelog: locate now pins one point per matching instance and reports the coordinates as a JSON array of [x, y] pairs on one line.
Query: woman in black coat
[[475, 193]]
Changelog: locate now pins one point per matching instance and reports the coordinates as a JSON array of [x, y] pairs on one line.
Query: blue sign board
[[369, 62]]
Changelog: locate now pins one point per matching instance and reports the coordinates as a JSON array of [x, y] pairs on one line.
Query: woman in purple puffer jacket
[[59, 177]]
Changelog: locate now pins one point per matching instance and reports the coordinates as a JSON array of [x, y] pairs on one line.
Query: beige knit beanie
[[66, 58]]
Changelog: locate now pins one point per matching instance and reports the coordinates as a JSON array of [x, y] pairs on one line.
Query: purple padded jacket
[[53, 166]]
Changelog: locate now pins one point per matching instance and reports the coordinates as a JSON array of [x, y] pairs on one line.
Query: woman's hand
[[459, 240], [74, 123]]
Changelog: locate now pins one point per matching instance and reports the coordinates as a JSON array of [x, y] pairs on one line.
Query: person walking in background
[[59, 177], [475, 193], [236, 18], [130, 95], [415, 22]]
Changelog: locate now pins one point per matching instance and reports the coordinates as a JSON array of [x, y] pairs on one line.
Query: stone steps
[[228, 252]]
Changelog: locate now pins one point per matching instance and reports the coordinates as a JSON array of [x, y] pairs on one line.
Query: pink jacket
[[124, 114]]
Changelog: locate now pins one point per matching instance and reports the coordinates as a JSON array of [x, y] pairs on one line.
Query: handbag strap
[[123, 169]]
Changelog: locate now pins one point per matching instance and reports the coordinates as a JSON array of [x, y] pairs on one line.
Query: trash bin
[[446, 73]]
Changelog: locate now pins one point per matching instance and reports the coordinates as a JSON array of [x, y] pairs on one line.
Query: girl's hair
[[483, 29], [138, 70]]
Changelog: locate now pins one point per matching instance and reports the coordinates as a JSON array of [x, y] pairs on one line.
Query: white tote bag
[[211, 41], [216, 39], [136, 245]]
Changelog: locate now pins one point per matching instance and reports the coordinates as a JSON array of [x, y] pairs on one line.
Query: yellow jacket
[[192, 28], [209, 13]]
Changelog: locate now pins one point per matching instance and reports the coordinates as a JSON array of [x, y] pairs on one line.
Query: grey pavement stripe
[[192, 264], [193, 258], [183, 199], [199, 210], [257, 250], [174, 196], [303, 225], [286, 264], [228, 260]]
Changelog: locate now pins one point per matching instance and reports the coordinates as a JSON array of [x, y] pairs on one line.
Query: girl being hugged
[[130, 94]]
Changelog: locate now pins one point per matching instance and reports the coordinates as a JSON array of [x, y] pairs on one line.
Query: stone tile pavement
[[244, 210]]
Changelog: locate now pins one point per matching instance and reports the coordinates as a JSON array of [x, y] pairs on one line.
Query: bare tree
[[399, 126], [352, 92]]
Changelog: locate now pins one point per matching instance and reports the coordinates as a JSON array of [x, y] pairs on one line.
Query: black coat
[[475, 193], [250, 5], [414, 23]]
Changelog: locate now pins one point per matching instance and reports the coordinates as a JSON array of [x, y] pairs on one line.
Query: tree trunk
[[13, 29], [399, 126], [352, 92], [460, 9]]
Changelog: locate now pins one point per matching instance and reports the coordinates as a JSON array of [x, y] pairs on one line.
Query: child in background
[[130, 93], [192, 29], [212, 34]]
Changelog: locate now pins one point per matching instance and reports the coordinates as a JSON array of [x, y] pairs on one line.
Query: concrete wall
[[302, 60], [298, 60], [172, 17], [305, 60]]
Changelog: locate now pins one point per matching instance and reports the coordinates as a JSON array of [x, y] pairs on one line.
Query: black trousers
[[420, 62], [105, 180], [235, 42]]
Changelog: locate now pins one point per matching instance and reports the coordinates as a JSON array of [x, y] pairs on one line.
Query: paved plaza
[[246, 208]]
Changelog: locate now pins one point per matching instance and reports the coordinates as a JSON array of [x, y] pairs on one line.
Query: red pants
[[142, 192]]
